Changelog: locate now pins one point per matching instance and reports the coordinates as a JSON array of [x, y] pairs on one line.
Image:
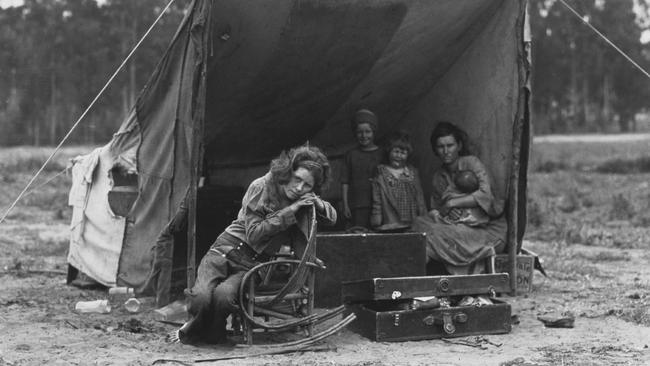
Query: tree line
[[57, 54], [580, 83]]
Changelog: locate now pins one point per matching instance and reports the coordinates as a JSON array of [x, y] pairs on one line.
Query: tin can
[[95, 306], [120, 291], [117, 295], [133, 305]]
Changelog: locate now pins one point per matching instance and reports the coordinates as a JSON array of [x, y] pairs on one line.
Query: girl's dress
[[359, 169], [396, 201]]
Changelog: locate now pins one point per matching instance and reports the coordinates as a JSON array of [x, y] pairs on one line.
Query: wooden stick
[[279, 351]]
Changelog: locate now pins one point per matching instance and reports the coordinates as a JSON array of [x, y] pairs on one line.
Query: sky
[[6, 3]]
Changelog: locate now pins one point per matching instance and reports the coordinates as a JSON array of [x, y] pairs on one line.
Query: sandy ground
[[38, 324]]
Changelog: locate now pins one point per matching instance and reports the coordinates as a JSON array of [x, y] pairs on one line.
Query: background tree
[[580, 83], [57, 54]]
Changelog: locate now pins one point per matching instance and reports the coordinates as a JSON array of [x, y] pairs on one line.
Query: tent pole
[[191, 234], [197, 171], [197, 152], [520, 147], [513, 217]]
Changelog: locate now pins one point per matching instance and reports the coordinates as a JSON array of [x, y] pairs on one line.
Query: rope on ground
[[301, 348], [605, 38], [58, 147]]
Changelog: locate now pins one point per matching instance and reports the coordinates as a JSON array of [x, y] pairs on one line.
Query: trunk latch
[[447, 321]]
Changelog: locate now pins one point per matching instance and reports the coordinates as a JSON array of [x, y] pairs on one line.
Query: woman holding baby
[[466, 223]]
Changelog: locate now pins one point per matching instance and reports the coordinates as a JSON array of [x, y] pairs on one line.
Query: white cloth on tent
[[96, 234], [83, 167]]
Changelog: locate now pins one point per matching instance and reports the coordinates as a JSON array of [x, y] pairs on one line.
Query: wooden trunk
[[351, 257], [384, 313]]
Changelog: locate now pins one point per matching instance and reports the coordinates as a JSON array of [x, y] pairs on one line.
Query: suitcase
[[350, 257], [383, 307]]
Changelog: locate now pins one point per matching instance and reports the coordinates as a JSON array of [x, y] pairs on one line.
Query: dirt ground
[[39, 326], [595, 251]]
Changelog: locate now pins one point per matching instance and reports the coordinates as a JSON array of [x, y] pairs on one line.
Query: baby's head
[[466, 181], [364, 126]]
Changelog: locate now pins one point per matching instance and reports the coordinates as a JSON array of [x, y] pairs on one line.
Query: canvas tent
[[244, 79]]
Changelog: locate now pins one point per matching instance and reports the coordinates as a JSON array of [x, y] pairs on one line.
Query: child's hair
[[401, 140], [304, 156], [466, 181], [364, 116]]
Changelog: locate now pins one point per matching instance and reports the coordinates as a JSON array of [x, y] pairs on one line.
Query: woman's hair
[[304, 156], [401, 140], [444, 128], [364, 116]]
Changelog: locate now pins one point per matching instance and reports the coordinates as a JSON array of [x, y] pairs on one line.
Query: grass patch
[[30, 159], [638, 315], [55, 248], [535, 212], [564, 262], [602, 155], [589, 208], [621, 208], [48, 242], [625, 166], [571, 269], [550, 166], [49, 192], [52, 197], [604, 256]]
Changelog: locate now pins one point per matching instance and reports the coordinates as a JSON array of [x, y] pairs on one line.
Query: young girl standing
[[397, 196], [359, 167]]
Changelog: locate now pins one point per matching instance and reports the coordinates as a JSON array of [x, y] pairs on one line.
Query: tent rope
[[58, 147], [47, 181], [605, 38]]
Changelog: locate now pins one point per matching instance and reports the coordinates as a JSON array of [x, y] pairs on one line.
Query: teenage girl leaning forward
[[360, 164], [275, 212]]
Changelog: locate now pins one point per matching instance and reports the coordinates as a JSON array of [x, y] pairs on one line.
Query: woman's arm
[[258, 223], [464, 201], [483, 196]]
